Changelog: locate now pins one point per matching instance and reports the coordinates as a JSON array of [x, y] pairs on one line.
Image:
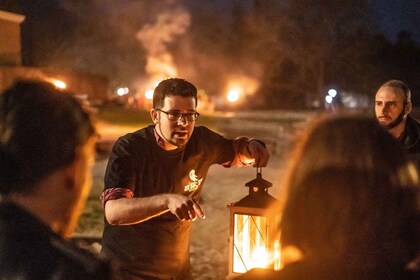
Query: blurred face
[[82, 185], [390, 107], [174, 130]]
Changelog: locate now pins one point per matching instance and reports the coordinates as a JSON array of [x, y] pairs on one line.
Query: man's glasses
[[176, 116]]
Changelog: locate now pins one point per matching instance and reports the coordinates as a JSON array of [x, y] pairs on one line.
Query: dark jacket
[[30, 250], [410, 139]]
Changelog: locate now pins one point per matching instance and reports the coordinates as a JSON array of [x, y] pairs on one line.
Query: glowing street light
[[122, 91], [332, 92], [328, 99]]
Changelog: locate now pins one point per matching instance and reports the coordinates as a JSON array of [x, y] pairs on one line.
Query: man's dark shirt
[[31, 250], [159, 247]]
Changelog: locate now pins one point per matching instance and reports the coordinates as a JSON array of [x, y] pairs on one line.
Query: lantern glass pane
[[250, 243]]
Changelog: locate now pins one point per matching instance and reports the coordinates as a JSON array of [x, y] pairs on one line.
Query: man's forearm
[[127, 211]]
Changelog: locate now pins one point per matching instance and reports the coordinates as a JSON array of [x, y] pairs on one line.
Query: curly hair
[[173, 87]]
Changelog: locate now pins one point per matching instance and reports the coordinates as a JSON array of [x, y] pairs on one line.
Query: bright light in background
[[239, 87], [60, 84], [234, 94], [122, 91], [149, 94], [332, 92], [328, 99]]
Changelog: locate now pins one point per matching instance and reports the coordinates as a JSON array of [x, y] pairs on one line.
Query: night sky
[[391, 16], [123, 59], [396, 15]]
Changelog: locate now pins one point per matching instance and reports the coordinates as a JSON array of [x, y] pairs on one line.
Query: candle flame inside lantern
[[259, 257], [250, 243]]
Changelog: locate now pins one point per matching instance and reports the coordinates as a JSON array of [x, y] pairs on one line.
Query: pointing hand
[[184, 208]]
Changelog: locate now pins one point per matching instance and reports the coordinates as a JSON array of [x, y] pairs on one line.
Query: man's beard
[[177, 144], [395, 122]]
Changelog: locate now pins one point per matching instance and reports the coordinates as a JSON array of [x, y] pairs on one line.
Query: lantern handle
[[259, 171]]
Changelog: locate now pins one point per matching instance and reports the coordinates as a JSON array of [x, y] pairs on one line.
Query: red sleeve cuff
[[115, 193]]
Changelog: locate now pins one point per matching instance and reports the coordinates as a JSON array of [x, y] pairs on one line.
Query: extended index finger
[[198, 210]]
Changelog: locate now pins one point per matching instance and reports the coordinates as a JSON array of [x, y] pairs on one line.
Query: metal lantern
[[252, 220]]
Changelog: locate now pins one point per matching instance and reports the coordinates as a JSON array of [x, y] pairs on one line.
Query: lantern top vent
[[259, 182], [258, 193]]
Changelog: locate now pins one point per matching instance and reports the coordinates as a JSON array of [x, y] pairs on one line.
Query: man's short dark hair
[[41, 130], [397, 84], [173, 87]]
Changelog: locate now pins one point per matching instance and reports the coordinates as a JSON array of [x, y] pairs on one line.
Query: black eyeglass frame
[[176, 116]]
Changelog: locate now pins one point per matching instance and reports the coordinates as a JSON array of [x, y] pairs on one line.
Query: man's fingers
[[260, 154], [261, 162], [186, 208], [192, 215], [198, 211], [257, 160], [178, 213]]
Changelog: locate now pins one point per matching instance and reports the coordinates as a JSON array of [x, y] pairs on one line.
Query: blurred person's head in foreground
[[47, 143], [352, 197]]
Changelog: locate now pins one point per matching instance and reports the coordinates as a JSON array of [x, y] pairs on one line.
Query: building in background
[[10, 47], [94, 88]]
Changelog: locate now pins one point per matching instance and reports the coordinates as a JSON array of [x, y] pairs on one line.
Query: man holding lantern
[[153, 183]]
